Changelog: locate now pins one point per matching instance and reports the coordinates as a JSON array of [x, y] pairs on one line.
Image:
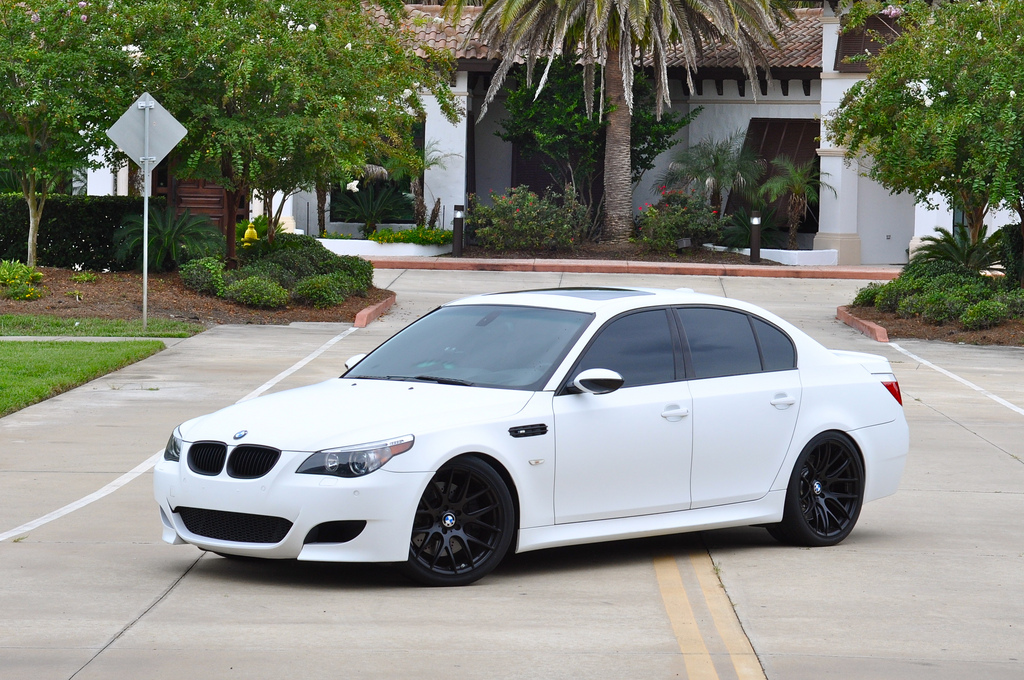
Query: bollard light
[[457, 222], [755, 236]]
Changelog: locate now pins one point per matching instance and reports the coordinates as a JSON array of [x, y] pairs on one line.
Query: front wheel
[[463, 526], [825, 493]]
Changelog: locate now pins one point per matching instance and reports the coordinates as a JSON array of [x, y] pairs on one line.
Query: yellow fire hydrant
[[250, 235]]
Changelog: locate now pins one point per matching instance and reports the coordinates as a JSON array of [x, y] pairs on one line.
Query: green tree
[[556, 125], [800, 185], [715, 167], [940, 111], [278, 96], [62, 71], [614, 33]]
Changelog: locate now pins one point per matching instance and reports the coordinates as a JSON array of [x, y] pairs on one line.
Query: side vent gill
[[528, 430]]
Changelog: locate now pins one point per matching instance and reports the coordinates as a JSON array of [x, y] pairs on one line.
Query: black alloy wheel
[[463, 526], [825, 494]]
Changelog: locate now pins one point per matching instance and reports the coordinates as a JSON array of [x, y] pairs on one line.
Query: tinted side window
[[776, 347], [638, 347], [721, 342]]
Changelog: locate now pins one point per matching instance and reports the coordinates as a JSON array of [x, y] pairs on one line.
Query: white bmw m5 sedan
[[527, 420]]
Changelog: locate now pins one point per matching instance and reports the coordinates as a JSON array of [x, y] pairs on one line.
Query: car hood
[[343, 412]]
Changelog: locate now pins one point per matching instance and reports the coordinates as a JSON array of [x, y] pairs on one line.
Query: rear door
[[746, 397]]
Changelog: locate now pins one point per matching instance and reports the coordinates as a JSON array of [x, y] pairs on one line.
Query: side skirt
[[765, 510]]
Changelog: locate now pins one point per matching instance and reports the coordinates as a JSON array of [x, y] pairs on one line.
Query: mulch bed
[[118, 295], [1008, 333]]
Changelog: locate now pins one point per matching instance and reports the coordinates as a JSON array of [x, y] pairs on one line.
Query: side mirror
[[598, 381], [352, 361]]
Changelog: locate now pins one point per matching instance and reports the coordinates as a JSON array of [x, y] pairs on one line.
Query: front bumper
[[385, 501]]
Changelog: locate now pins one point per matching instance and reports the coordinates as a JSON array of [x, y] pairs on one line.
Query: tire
[[463, 526], [825, 493]]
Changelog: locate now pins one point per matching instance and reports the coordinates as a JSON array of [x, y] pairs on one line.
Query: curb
[[867, 273], [872, 330], [366, 316]]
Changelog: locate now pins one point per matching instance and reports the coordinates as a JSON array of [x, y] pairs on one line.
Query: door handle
[[782, 401], [673, 413]]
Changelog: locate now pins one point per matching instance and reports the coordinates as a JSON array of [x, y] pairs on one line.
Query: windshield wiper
[[443, 381]]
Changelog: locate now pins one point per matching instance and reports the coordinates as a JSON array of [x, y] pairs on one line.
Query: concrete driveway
[[930, 584]]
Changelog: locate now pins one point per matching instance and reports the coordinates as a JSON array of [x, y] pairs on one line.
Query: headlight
[[173, 449], [355, 461]]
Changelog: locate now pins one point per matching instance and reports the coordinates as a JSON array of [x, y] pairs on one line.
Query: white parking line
[[145, 466], [962, 381]]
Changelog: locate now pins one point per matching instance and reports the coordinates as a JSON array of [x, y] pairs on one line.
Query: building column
[[837, 220], [447, 183]]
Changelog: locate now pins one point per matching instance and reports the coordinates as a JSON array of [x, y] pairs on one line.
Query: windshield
[[481, 345]]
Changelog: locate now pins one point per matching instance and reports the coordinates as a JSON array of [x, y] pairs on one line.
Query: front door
[[626, 453]]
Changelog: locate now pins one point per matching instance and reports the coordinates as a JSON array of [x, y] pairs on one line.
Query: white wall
[[448, 183], [723, 115]]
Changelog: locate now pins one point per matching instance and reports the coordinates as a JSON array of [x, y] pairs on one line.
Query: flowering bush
[[18, 281], [423, 236], [679, 214], [520, 220]]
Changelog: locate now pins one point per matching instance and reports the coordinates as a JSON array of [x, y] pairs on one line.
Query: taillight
[[894, 389]]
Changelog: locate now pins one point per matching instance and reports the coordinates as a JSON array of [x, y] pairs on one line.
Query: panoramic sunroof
[[591, 293]]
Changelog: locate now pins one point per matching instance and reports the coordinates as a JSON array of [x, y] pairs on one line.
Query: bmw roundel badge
[[241, 433]]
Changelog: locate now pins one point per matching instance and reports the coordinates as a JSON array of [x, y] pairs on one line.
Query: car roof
[[596, 299]]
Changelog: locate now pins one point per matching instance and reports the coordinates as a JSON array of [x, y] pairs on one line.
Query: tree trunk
[[797, 210], [35, 202], [321, 208], [231, 200], [618, 195]]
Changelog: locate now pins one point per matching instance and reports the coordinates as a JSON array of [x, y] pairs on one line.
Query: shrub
[[1014, 301], [205, 275], [984, 314], [75, 231], [257, 291], [679, 214], [519, 220], [956, 247], [18, 281], [423, 236], [930, 269], [939, 307], [1012, 250], [266, 269], [358, 270], [173, 239], [736, 230], [866, 296], [323, 290], [890, 294]]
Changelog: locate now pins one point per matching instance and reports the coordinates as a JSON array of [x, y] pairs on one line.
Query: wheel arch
[[510, 484]]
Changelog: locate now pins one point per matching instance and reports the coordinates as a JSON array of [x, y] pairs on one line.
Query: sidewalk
[[864, 272]]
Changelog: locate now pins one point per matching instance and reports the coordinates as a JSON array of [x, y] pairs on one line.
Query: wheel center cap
[[448, 520], [817, 488]]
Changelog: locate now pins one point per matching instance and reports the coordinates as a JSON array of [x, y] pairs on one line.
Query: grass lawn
[[34, 371], [27, 324]]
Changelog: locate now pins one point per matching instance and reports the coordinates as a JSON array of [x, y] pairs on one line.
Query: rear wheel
[[463, 526], [825, 493]]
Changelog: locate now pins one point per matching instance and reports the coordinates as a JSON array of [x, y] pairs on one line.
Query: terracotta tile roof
[[799, 43], [799, 46], [434, 31]]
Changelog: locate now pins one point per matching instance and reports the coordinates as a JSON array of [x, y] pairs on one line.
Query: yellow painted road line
[[691, 643], [744, 660]]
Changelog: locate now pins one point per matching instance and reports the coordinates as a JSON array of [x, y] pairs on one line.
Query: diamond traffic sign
[[129, 132]]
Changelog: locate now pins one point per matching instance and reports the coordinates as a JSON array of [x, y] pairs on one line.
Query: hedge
[[76, 230]]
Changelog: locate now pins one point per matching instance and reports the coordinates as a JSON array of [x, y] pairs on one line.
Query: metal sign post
[[146, 133]]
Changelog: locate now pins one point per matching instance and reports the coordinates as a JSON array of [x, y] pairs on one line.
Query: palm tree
[[716, 167], [801, 184], [615, 33], [956, 246]]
